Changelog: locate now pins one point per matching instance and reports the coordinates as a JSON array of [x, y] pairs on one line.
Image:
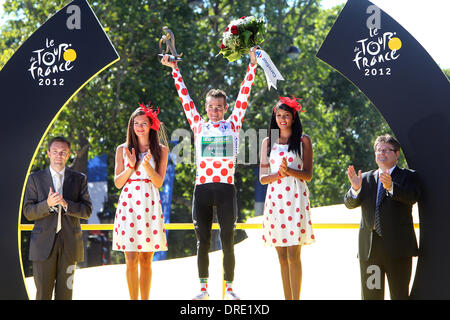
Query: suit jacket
[[36, 209], [399, 238]]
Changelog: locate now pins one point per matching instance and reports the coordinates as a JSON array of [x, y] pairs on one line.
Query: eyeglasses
[[61, 153], [384, 151]]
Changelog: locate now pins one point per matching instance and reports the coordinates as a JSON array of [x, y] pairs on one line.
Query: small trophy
[[169, 39]]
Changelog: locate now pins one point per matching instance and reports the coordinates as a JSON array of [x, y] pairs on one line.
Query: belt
[[145, 180]]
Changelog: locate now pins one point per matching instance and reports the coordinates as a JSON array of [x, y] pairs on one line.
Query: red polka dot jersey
[[216, 143]]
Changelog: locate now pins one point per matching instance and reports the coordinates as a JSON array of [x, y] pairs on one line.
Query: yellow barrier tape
[[190, 226]]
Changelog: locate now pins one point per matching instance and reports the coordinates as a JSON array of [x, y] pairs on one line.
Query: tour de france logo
[[49, 63], [374, 54]]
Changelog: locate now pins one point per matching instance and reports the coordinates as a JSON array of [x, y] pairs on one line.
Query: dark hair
[[217, 93], [387, 138], [58, 139], [297, 129], [154, 138]]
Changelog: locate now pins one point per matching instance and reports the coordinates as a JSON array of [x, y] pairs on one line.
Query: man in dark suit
[[387, 241], [56, 198]]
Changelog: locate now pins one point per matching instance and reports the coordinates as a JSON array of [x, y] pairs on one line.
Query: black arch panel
[[54, 63], [413, 95]]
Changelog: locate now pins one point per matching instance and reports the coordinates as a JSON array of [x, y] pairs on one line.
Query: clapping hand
[[283, 168], [131, 156], [147, 158], [54, 198], [355, 179], [386, 179]]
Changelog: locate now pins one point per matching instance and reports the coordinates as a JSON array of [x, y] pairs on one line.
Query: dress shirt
[[54, 178]]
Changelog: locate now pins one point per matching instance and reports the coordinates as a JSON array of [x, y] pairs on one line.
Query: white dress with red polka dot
[[216, 143], [286, 220], [139, 221]]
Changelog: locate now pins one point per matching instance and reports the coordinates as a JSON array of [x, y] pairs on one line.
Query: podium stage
[[330, 268]]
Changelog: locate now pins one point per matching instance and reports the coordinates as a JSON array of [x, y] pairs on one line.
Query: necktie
[[380, 196], [58, 188]]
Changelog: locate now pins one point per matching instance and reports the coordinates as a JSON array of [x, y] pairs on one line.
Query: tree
[[340, 120]]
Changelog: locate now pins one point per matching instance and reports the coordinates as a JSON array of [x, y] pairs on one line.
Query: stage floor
[[330, 268]]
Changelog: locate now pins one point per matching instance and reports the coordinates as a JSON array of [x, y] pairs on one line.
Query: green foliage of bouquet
[[241, 35]]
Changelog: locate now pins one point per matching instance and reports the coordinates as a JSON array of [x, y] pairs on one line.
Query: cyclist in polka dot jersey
[[216, 141], [216, 147]]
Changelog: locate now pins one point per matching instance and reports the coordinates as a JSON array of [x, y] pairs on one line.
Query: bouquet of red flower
[[241, 35]]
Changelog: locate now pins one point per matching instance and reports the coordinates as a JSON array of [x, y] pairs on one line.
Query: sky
[[427, 21]]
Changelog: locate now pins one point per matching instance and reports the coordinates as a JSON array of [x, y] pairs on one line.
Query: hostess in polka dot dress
[[286, 220], [139, 223]]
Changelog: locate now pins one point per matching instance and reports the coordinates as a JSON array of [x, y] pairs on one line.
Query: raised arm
[[352, 200], [192, 115], [237, 116]]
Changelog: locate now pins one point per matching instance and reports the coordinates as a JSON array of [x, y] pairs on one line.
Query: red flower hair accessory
[[292, 102], [153, 115]]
